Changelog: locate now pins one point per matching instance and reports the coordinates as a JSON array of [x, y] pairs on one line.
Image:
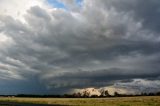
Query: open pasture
[[116, 101]]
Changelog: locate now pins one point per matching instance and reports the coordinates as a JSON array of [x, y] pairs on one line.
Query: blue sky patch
[[79, 2], [56, 3]]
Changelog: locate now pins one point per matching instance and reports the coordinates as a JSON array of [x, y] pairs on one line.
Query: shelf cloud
[[89, 43]]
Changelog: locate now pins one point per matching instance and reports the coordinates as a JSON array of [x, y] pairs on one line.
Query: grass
[[119, 101]]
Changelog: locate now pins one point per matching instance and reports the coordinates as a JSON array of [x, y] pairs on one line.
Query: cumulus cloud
[[102, 43], [136, 86], [139, 86]]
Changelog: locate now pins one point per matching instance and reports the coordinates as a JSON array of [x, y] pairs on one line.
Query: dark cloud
[[146, 11], [98, 78], [102, 43]]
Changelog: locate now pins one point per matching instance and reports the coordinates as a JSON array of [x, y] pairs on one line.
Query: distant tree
[[86, 94], [77, 95], [158, 93], [116, 94], [144, 94], [68, 96], [102, 93], [151, 94], [94, 96], [107, 93]]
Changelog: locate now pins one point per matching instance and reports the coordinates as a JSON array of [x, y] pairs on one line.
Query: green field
[[119, 101]]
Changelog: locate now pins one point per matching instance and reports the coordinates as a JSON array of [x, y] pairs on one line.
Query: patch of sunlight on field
[[119, 101]]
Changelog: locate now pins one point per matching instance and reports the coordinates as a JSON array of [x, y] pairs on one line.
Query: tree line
[[85, 95]]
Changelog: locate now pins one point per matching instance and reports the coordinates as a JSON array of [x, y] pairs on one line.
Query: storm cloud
[[96, 43]]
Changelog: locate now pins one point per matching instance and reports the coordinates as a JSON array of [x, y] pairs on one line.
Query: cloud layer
[[100, 43]]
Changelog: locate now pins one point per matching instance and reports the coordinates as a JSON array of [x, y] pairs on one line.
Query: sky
[[56, 46]]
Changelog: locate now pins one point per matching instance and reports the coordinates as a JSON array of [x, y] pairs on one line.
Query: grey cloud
[[140, 86], [145, 11], [96, 78], [102, 43], [39, 12]]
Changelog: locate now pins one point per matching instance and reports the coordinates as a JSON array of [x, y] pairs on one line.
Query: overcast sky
[[51, 47]]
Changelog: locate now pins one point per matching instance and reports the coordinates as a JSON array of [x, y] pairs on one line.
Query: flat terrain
[[118, 101]]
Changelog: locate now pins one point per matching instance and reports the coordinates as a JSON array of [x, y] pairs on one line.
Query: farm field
[[118, 101]]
